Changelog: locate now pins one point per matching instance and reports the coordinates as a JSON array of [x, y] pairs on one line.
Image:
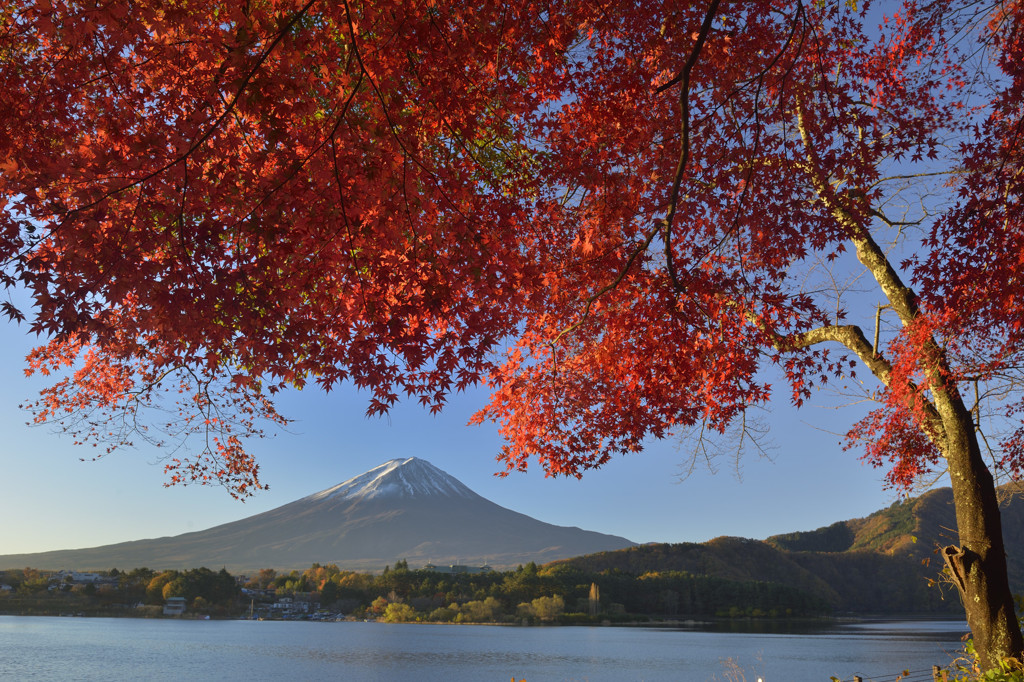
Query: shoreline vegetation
[[527, 595]]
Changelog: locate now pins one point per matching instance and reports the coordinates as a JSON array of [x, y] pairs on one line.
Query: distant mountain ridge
[[883, 563], [403, 509]]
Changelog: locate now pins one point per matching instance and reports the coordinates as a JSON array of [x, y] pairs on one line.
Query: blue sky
[[49, 499]]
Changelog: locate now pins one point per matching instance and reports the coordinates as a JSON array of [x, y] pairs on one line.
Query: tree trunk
[[978, 565]]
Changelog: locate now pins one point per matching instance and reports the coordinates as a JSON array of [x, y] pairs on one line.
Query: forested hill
[[879, 564], [913, 528]]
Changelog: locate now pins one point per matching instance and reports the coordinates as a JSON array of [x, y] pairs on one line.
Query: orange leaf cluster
[[608, 213]]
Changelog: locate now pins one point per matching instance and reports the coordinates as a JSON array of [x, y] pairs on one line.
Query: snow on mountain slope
[[396, 478], [402, 509]]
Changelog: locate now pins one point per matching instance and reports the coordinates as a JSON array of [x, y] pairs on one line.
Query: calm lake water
[[40, 648]]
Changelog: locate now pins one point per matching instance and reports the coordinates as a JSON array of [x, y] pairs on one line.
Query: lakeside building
[[457, 568], [175, 606]]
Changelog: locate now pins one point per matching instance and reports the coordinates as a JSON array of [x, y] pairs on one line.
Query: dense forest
[[527, 594], [858, 581]]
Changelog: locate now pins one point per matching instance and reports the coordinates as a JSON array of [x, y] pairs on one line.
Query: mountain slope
[[402, 509], [914, 528], [879, 564]]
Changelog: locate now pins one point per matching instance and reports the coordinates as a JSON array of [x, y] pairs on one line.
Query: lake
[[42, 648]]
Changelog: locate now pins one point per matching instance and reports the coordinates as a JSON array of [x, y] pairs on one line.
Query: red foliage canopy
[[612, 214]]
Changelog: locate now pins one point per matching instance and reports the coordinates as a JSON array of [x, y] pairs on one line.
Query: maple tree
[[617, 216]]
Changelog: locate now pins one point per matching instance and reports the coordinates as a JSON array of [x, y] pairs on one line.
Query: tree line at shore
[[400, 594]]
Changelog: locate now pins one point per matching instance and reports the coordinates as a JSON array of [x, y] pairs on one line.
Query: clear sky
[[49, 499]]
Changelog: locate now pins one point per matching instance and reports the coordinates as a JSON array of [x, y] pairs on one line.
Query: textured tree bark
[[978, 565]]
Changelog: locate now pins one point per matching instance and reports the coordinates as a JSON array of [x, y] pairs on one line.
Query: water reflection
[[790, 651], [926, 629]]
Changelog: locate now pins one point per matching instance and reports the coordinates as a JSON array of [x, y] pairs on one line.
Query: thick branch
[[945, 412], [684, 156], [852, 337], [849, 335], [871, 256], [684, 143]]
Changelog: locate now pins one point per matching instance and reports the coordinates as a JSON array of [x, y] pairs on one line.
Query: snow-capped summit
[[403, 509], [411, 477]]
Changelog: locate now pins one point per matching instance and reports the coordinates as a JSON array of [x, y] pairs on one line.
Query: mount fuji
[[402, 509]]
